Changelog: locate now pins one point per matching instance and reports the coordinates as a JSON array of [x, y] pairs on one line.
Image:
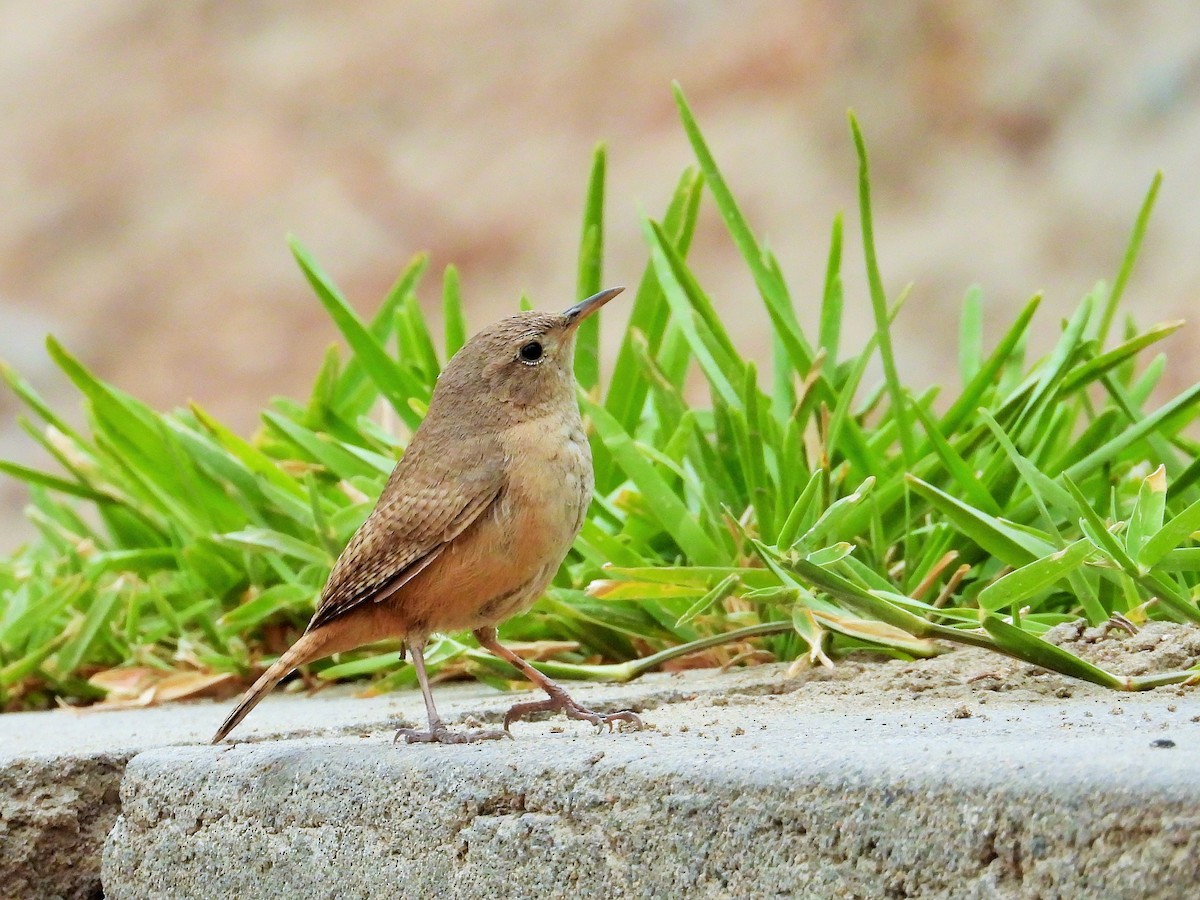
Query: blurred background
[[153, 156]]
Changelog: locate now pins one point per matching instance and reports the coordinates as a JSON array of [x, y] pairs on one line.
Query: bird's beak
[[585, 308]]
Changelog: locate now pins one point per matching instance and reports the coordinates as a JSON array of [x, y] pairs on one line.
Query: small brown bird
[[474, 520]]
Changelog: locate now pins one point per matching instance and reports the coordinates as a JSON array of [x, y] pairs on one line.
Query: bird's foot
[[440, 734], [561, 701]]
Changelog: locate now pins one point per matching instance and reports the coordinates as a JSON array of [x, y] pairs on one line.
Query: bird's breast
[[503, 562], [549, 482]]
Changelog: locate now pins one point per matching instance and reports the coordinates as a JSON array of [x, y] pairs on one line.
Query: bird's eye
[[531, 352]]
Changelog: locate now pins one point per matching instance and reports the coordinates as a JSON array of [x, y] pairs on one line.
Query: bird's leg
[[438, 733], [559, 698]]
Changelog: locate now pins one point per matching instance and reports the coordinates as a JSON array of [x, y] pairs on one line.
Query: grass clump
[[798, 520]]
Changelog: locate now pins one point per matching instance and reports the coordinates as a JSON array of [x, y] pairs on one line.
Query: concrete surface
[[60, 771], [768, 787], [55, 814], [60, 774], [957, 777]]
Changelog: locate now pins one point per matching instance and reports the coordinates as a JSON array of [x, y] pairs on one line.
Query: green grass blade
[[265, 539], [392, 381], [649, 314], [1094, 368], [1139, 431], [99, 615], [826, 527], [958, 468], [721, 592], [1021, 584], [802, 513], [1131, 255], [1052, 373], [454, 320], [674, 282], [1097, 531], [415, 341], [1148, 512], [1175, 531], [970, 336], [54, 483], [1049, 656], [31, 398], [662, 502], [772, 290], [1012, 545], [1009, 346], [1044, 488], [354, 375], [591, 273], [832, 300], [879, 304]]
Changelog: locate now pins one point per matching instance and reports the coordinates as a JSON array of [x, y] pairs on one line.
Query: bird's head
[[519, 363]]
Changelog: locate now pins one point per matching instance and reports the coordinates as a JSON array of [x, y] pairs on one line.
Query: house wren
[[474, 520]]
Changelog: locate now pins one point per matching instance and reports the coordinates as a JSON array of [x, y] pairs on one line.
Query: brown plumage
[[475, 519]]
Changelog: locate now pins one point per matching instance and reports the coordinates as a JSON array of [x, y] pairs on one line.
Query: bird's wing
[[415, 520]]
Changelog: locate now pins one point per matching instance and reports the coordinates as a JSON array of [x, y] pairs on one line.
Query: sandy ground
[[961, 684], [975, 676]]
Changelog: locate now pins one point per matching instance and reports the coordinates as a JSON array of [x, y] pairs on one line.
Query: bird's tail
[[312, 646]]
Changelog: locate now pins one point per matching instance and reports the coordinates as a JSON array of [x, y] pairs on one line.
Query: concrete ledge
[[60, 771], [822, 792], [964, 776]]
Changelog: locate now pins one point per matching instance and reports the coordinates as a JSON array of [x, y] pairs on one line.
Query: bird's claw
[[573, 711], [440, 734], [626, 716]]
